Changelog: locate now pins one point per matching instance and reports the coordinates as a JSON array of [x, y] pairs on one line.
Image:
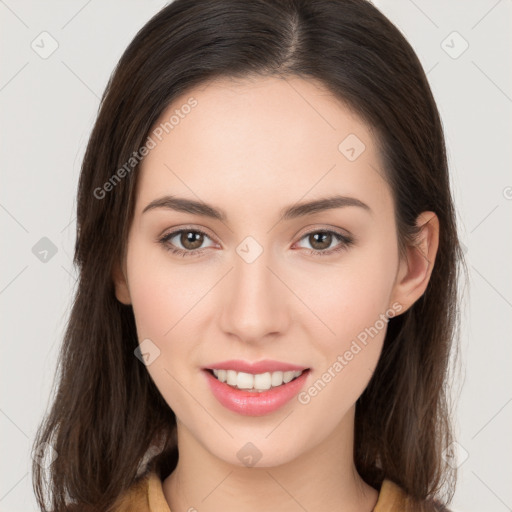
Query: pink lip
[[264, 366], [254, 403]]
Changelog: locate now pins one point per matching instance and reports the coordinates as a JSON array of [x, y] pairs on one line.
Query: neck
[[323, 478]]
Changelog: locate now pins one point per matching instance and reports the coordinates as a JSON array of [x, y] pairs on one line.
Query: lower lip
[[254, 403]]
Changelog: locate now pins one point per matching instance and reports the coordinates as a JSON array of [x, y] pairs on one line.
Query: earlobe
[[414, 272], [121, 285]]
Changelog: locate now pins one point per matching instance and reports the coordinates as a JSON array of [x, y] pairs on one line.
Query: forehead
[[260, 138]]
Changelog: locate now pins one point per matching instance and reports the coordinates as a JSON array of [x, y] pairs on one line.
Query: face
[[312, 288]]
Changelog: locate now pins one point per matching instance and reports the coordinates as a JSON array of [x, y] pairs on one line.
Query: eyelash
[[345, 243]]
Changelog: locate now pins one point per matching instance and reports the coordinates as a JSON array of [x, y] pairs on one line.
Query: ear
[[121, 285], [416, 268]]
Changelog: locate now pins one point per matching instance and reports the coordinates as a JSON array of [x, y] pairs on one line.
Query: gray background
[[48, 106]]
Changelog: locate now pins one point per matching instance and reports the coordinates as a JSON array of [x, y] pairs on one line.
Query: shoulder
[[144, 495], [393, 498], [135, 498]]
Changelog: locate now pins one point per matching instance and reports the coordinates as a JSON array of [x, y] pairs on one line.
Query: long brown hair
[[107, 417]]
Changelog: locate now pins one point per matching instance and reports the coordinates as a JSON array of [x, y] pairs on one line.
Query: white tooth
[[231, 377], [277, 379], [259, 382], [262, 381], [245, 380], [288, 376]]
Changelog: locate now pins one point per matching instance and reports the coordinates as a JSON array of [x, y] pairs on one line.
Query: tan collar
[[147, 495]]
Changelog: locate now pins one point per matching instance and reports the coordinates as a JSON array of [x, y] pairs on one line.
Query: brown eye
[[191, 240], [320, 240], [185, 242]]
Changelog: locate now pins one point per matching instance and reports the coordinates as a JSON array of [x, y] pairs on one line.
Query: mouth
[[256, 383]]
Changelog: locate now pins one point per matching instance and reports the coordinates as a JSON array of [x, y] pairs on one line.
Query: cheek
[[167, 305], [162, 293], [356, 309], [352, 296], [355, 312], [163, 299]]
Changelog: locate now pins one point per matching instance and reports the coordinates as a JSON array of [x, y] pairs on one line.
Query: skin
[[252, 147]]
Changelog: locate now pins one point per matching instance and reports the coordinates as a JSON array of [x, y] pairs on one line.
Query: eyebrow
[[181, 204]]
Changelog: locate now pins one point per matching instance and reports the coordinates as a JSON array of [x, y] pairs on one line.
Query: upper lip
[[264, 366]]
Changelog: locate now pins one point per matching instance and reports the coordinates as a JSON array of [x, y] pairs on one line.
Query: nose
[[255, 301]]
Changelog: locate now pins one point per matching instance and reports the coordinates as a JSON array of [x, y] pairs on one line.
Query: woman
[[268, 263]]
